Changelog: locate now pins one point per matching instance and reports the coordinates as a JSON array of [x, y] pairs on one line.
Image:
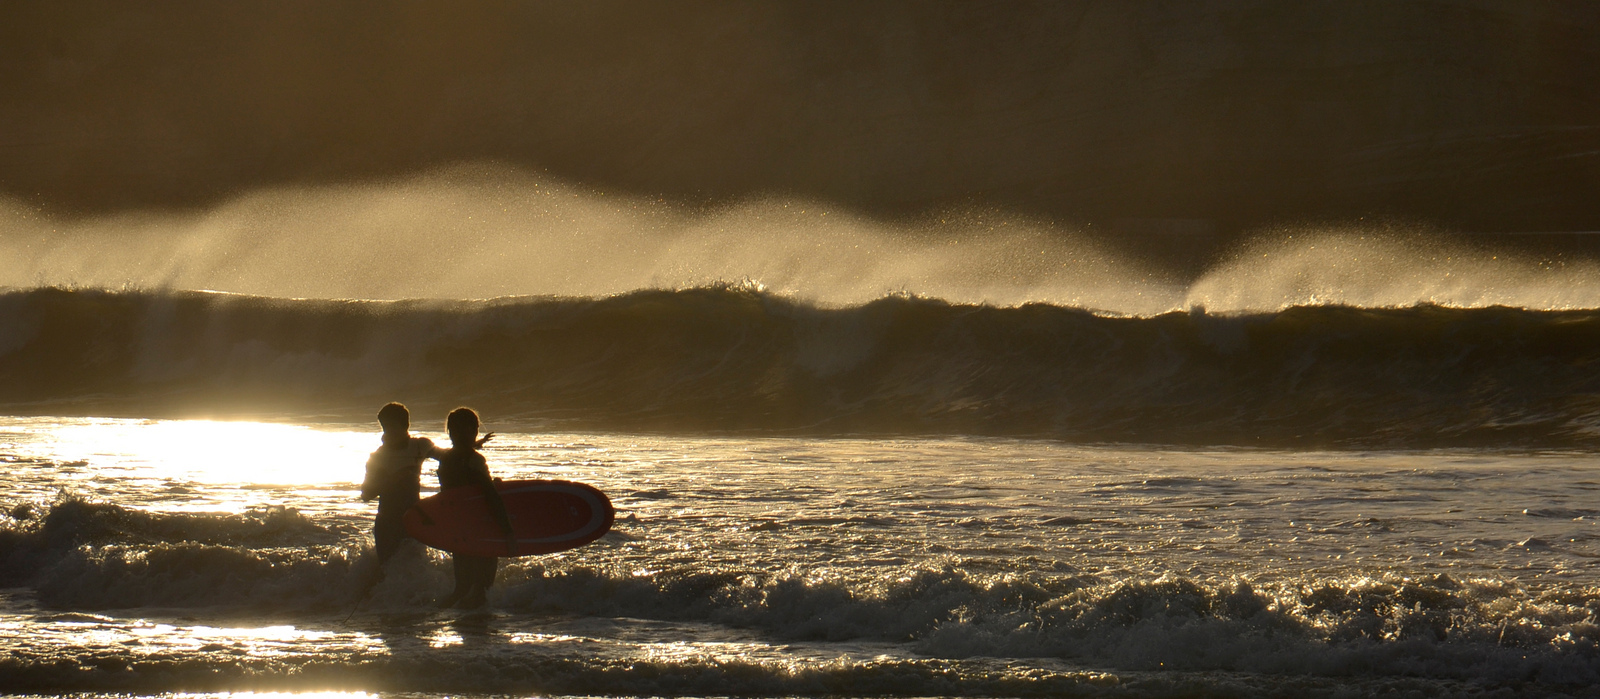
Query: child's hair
[[462, 424], [394, 417]]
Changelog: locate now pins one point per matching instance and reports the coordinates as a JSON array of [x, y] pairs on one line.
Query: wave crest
[[738, 359]]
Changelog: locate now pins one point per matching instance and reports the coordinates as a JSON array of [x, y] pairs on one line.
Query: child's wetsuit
[[474, 574], [394, 474]]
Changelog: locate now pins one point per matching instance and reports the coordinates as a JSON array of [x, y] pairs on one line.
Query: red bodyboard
[[546, 516]]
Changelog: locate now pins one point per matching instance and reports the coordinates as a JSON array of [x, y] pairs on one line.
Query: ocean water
[[154, 557], [741, 360], [1214, 348], [910, 496]]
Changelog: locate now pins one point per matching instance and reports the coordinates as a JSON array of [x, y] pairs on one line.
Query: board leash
[[366, 592], [354, 609]]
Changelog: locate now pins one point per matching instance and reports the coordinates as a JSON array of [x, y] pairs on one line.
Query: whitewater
[[971, 454], [162, 556]]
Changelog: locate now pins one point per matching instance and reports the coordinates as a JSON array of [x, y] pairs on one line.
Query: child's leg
[[387, 533], [491, 566], [461, 566], [480, 575], [388, 530]]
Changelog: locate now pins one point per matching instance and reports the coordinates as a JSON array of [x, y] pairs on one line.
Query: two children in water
[[394, 474]]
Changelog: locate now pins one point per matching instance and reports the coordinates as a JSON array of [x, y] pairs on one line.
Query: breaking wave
[[738, 359], [732, 359]]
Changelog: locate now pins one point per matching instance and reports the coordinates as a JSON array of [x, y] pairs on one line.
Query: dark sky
[[1474, 115]]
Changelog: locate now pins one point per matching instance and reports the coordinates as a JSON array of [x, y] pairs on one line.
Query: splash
[[1480, 630]]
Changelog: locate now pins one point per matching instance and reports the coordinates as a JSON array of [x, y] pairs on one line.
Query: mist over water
[[784, 315], [1386, 267], [482, 232], [479, 234]]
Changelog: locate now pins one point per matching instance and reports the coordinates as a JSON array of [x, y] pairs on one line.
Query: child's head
[[462, 424], [395, 419]]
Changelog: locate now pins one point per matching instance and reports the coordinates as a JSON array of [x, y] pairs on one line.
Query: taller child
[[394, 473]]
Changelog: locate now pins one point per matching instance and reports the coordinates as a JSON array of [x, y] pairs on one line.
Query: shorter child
[[463, 465]]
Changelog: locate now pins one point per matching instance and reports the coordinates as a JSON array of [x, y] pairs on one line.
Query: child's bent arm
[[369, 484]]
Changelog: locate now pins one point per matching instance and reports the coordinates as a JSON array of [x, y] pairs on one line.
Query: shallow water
[[168, 556]]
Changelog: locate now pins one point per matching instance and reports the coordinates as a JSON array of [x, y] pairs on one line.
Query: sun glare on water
[[278, 695], [208, 451]]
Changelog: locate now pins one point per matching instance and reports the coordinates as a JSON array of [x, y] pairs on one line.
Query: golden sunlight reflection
[[198, 634], [444, 639], [215, 451], [278, 695], [142, 637], [529, 637], [719, 651]]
